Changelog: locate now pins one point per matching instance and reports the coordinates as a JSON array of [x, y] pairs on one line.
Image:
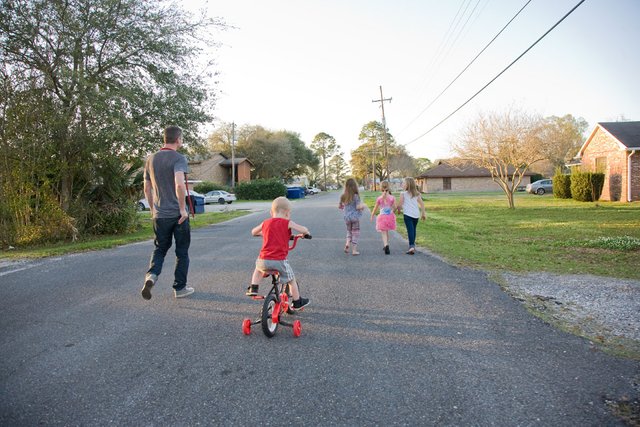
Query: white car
[[313, 190], [143, 205], [219, 196]]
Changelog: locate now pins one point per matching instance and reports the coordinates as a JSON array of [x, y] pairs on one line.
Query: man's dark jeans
[[166, 229], [411, 224]]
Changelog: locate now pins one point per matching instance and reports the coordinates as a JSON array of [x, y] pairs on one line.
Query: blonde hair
[[384, 186], [350, 190], [411, 187], [280, 205]]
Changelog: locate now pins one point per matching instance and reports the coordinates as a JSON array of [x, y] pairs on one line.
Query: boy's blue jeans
[[167, 229], [411, 224]]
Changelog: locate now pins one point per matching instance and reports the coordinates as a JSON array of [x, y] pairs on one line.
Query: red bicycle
[[276, 303]]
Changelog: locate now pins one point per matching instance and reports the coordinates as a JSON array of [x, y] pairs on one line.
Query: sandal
[[346, 248]]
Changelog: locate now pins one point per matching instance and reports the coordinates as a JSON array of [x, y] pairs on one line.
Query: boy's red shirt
[[275, 239]]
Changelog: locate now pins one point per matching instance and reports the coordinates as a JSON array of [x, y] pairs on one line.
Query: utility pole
[[384, 129], [233, 155]]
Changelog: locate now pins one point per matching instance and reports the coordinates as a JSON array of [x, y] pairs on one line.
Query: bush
[[586, 186], [261, 189], [562, 186], [206, 186]]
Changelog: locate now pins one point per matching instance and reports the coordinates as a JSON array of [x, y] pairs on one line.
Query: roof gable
[[625, 134]]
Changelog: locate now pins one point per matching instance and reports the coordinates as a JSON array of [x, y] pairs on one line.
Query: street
[[387, 340]]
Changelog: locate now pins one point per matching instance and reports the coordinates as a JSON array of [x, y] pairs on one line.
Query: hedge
[[261, 189], [586, 186], [562, 186], [206, 186]]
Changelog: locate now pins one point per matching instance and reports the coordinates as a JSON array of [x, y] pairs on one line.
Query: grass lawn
[[541, 233], [144, 232]]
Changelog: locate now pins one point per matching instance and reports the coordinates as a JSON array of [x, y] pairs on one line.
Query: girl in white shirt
[[412, 208]]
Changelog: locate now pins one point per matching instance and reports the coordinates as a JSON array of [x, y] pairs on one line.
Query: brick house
[[217, 168], [456, 176], [614, 148]]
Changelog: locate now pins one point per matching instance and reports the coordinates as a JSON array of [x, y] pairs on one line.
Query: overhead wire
[[467, 67], [497, 76]]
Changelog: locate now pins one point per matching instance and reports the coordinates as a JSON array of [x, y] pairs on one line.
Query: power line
[[468, 65], [499, 74]]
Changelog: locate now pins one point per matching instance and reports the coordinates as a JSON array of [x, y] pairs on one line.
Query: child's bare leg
[[295, 293], [385, 238], [256, 278]]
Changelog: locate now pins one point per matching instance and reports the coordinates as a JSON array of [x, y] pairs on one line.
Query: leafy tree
[[422, 164], [105, 76], [506, 144], [563, 137], [274, 154], [324, 146], [338, 168], [369, 158]]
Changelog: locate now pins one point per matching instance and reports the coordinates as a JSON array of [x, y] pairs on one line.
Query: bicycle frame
[[276, 303]]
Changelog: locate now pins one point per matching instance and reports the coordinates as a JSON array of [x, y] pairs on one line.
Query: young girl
[[412, 208], [352, 209], [387, 219]]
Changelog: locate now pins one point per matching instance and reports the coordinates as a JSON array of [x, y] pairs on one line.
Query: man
[[165, 190]]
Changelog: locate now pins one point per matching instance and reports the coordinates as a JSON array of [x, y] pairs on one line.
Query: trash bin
[[295, 192], [197, 203]]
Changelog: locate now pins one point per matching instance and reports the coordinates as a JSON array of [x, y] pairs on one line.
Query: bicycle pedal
[[257, 297]]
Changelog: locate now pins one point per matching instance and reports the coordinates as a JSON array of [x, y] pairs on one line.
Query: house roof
[[460, 170], [237, 161], [626, 134]]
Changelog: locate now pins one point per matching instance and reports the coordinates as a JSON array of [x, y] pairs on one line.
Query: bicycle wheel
[[269, 327]]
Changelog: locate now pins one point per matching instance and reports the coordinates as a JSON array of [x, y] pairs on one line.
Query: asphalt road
[[387, 339]]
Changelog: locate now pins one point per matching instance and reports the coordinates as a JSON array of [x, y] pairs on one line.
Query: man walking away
[[165, 190]]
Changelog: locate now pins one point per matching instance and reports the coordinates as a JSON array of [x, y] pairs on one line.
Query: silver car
[[219, 196], [540, 187]]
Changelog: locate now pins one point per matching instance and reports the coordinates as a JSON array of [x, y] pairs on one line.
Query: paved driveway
[[387, 340]]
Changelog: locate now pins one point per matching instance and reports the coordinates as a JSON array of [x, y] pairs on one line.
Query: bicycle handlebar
[[295, 239]]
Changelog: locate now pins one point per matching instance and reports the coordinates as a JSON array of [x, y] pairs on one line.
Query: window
[[601, 164], [446, 183]]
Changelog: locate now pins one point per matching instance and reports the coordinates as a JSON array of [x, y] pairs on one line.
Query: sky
[[311, 66]]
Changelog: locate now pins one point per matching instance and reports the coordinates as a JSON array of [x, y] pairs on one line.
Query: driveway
[[387, 340]]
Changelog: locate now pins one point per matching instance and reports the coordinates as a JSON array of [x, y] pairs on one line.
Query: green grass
[[540, 234], [144, 232]]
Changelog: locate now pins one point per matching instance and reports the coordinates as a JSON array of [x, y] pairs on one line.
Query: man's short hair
[[172, 134]]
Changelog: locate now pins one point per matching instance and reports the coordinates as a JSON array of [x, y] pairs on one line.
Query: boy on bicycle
[[275, 233]]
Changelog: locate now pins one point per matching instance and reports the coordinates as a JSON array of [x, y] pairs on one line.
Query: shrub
[[261, 189], [206, 186], [562, 186], [586, 186]]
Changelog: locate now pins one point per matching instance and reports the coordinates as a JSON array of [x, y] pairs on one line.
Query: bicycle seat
[[270, 273]]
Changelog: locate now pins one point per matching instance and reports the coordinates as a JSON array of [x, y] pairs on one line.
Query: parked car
[[219, 196], [143, 205], [540, 187], [313, 190]]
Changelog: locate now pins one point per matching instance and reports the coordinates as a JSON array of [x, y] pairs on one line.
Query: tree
[[278, 154], [324, 146], [563, 137], [338, 168], [422, 164], [506, 144], [105, 76], [369, 158]]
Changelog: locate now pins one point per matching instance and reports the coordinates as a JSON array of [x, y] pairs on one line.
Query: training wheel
[[246, 326], [297, 328]]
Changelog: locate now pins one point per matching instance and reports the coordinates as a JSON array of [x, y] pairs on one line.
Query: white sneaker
[[149, 281], [184, 292]]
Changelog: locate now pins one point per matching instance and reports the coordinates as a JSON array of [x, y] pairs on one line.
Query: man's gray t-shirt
[[160, 169]]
